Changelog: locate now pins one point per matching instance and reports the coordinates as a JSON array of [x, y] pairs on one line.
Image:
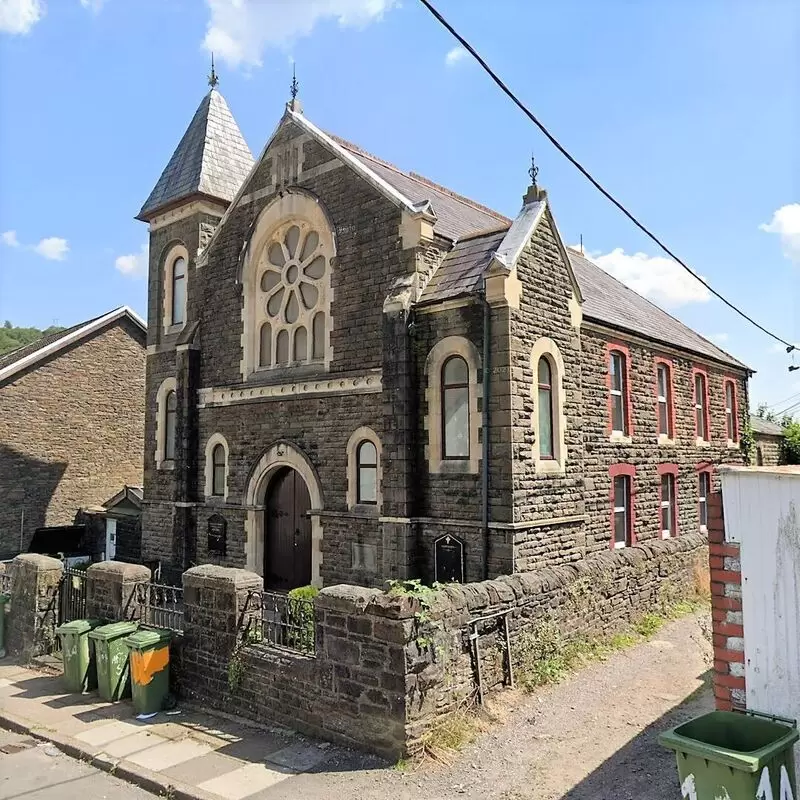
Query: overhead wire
[[585, 172]]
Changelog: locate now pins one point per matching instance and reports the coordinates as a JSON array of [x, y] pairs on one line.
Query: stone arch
[[278, 455]]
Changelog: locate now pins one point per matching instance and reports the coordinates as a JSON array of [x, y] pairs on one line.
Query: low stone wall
[[596, 597]]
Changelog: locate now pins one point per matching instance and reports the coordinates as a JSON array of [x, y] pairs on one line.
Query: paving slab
[[169, 754], [245, 781], [100, 735], [136, 743]]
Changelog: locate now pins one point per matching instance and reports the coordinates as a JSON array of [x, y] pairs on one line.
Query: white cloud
[[93, 5], [240, 30], [53, 248], [786, 223], [656, 277], [10, 238], [134, 265], [19, 16], [455, 55]]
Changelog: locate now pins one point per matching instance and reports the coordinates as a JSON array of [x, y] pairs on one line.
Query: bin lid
[[113, 631], [149, 638], [78, 626]]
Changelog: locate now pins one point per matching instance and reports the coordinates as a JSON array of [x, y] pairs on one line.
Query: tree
[[764, 413], [790, 444]]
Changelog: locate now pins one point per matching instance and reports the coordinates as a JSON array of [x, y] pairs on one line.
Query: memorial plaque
[[217, 534], [449, 559]]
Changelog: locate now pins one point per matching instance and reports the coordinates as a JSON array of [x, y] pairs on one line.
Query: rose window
[[292, 293]]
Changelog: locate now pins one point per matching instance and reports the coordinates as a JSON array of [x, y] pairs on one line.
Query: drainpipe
[[485, 411]]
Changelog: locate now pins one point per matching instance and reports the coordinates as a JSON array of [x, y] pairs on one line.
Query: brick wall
[[71, 432], [726, 612]]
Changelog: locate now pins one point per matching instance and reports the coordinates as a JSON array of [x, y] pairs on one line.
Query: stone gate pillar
[[111, 590]]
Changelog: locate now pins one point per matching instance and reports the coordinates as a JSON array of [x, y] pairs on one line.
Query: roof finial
[[534, 170], [213, 80], [295, 87]]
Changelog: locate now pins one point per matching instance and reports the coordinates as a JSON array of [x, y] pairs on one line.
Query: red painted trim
[[706, 434], [671, 399], [630, 470], [735, 410], [625, 351], [669, 469]]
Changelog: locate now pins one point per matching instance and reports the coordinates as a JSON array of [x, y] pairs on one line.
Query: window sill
[[733, 445], [666, 535], [167, 465], [620, 545], [665, 441], [549, 467], [619, 438], [365, 510], [171, 330], [216, 500], [702, 442], [453, 466], [704, 529]]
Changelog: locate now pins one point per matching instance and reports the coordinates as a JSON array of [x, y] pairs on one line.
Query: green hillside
[[12, 337]]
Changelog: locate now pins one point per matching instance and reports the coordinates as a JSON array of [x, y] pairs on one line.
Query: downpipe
[[485, 429]]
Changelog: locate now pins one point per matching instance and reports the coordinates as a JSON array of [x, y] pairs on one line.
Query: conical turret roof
[[211, 159]]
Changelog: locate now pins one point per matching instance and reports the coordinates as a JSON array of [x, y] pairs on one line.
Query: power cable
[[597, 185]]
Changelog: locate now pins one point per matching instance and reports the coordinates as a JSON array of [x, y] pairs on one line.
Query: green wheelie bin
[[80, 670], [149, 650], [4, 599], [111, 655], [738, 756]]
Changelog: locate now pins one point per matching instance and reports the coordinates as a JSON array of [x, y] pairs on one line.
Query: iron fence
[[72, 595], [161, 605], [6, 579], [285, 621]]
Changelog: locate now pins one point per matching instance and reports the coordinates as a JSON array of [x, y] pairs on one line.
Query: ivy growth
[[424, 595], [235, 666], [747, 442]]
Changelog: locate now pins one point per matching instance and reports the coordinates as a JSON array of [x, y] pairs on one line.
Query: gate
[[72, 595]]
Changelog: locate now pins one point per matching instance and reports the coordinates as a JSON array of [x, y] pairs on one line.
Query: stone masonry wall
[[71, 433], [766, 450], [727, 623]]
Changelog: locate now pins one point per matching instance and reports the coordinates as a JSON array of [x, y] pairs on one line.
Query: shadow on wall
[[642, 768], [27, 486]]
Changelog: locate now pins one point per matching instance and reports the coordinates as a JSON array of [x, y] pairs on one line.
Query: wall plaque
[[448, 559], [217, 534]]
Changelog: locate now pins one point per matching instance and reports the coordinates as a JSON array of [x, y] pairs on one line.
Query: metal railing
[[285, 621], [6, 579], [72, 595], [161, 605]]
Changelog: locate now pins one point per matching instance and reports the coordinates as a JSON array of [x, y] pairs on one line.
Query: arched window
[[545, 378], [455, 409], [618, 392], [170, 419], [218, 471], [367, 473], [702, 427], [731, 420], [179, 291]]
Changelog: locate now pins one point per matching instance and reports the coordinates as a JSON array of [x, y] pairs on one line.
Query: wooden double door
[[287, 551]]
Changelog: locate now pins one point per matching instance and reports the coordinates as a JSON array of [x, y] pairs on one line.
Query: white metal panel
[[761, 513]]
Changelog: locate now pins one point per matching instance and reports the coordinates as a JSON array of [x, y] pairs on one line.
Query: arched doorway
[[287, 554]]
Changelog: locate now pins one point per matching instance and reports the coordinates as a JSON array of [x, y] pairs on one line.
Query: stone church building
[[355, 374]]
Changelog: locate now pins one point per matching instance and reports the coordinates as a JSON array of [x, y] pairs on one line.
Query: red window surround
[[735, 410], [706, 434], [671, 399], [630, 470], [625, 350], [669, 469]]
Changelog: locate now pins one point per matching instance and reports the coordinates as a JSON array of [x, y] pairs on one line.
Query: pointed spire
[[294, 104], [213, 80]]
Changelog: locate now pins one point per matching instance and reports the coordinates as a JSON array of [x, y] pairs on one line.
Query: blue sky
[[687, 111]]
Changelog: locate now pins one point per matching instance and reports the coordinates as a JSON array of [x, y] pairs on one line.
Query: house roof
[[133, 494], [759, 425], [211, 159], [29, 354], [610, 302], [462, 270]]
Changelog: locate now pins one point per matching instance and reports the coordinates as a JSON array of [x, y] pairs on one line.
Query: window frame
[[218, 490], [361, 466], [545, 465], [357, 438], [175, 278], [169, 445], [624, 393], [159, 456], [701, 437], [214, 441], [732, 412], [444, 388], [171, 256], [627, 471], [548, 387], [707, 470], [668, 471], [669, 436]]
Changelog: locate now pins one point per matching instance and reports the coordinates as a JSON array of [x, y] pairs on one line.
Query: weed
[[649, 624], [403, 765], [424, 595], [449, 736]]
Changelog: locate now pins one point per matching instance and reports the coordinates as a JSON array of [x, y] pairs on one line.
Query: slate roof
[[765, 428], [23, 357], [607, 300], [462, 270], [456, 216], [212, 158]]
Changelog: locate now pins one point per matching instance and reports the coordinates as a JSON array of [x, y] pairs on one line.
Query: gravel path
[[592, 737]]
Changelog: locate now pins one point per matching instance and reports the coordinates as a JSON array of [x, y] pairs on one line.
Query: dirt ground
[[592, 737]]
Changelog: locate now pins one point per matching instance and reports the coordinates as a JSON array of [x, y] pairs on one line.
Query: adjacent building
[[767, 439], [71, 423], [355, 374]]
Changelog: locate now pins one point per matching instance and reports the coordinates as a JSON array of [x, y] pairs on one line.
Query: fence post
[[34, 605], [111, 590], [217, 612]]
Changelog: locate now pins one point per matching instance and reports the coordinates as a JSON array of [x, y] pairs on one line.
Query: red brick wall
[[726, 611]]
